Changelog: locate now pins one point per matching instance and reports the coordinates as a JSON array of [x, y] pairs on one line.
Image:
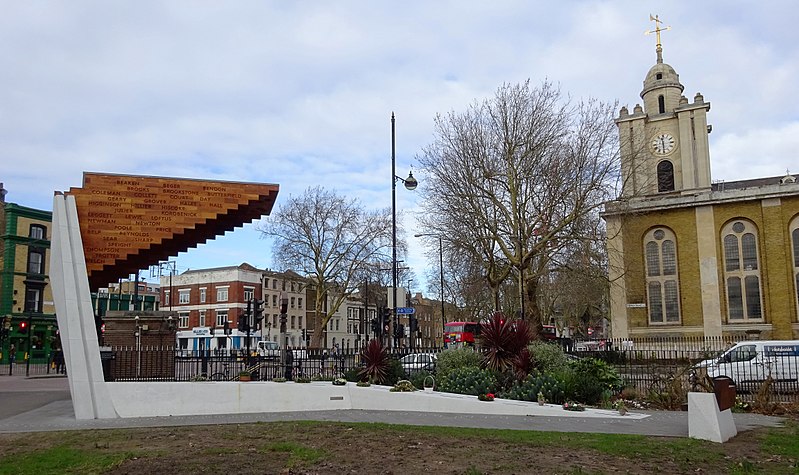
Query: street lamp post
[[410, 184], [441, 269]]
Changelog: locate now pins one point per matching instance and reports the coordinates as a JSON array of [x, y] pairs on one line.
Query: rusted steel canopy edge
[[129, 222]]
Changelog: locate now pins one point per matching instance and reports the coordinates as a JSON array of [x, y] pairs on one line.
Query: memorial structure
[[117, 224]]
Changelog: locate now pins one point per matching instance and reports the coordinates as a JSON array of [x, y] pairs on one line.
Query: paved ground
[[44, 404]]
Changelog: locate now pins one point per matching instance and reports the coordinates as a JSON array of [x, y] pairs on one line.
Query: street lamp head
[[410, 182]]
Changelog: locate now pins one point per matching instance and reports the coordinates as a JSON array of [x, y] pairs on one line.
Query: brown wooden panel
[[129, 222]]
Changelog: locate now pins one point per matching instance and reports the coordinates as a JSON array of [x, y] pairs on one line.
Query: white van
[[269, 349], [753, 361]]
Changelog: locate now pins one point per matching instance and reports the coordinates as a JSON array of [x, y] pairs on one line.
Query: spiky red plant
[[503, 341], [376, 362]]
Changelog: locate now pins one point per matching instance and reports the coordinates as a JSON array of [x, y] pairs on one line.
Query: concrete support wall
[[73, 303]]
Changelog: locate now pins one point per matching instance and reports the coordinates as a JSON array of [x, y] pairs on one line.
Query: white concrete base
[[706, 422], [140, 399]]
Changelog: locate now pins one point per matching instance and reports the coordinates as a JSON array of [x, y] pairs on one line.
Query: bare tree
[[512, 180], [333, 241]]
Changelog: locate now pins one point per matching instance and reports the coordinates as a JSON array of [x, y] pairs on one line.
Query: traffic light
[[284, 308], [414, 323], [242, 323], [399, 330], [23, 328], [375, 326], [257, 311], [226, 327]]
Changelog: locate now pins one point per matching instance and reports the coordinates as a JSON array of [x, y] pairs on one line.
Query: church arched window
[[662, 281], [661, 104], [665, 173], [794, 228], [742, 271]]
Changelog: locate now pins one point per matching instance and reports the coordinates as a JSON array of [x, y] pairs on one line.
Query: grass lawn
[[329, 447]]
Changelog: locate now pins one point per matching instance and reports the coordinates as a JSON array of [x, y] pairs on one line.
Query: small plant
[[376, 361], [302, 379], [245, 375], [403, 386], [486, 397], [279, 380], [363, 384], [541, 399], [339, 382], [573, 406], [199, 377], [621, 406]]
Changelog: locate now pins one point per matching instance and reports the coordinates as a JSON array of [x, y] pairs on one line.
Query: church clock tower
[[664, 144]]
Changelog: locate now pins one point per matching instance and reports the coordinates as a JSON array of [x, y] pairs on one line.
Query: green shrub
[[395, 372], [588, 379], [528, 389], [449, 360], [418, 378], [353, 375], [468, 380], [548, 357]]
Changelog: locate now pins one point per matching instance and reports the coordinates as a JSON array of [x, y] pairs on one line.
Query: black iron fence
[[655, 368]]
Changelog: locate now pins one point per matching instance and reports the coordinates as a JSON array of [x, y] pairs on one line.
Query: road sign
[[405, 310]]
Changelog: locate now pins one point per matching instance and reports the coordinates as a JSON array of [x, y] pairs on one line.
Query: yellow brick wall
[[683, 223], [772, 219]]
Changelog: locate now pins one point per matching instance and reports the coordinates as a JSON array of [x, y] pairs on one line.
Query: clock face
[[663, 144]]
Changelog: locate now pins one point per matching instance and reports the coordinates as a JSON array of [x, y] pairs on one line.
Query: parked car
[[416, 362]]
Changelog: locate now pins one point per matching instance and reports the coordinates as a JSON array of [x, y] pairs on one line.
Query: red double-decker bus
[[460, 334]]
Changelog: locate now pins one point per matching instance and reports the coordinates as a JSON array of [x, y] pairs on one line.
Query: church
[[689, 256]]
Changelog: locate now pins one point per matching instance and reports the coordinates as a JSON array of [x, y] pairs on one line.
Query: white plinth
[[706, 422]]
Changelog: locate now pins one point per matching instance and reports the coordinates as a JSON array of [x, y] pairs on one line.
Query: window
[[662, 282], [249, 293], [292, 286], [274, 284], [166, 297], [37, 231], [183, 296], [221, 294], [795, 241], [299, 303], [284, 285], [293, 321], [659, 76], [274, 300], [292, 302], [202, 295], [33, 300], [661, 104], [183, 319], [274, 321], [665, 176], [221, 318], [35, 261], [299, 321], [741, 271], [202, 318]]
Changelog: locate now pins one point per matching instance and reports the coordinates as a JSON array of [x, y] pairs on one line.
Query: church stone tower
[[664, 145]]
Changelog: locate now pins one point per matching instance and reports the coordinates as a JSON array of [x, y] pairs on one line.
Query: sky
[[301, 93]]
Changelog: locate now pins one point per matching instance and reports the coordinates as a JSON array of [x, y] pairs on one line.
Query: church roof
[[744, 184]]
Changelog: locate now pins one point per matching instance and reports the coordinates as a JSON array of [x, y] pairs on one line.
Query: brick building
[[206, 302], [27, 313]]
